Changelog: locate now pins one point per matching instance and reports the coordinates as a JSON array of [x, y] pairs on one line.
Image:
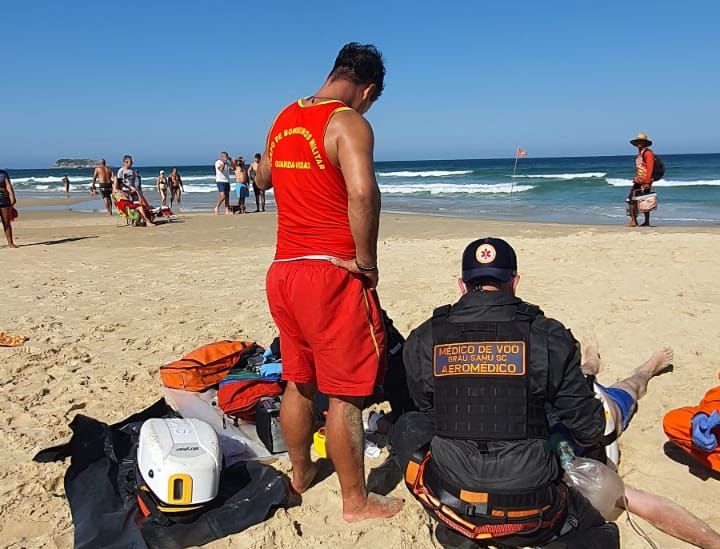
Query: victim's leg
[[637, 383], [590, 355], [345, 445], [670, 517], [262, 201], [296, 420]]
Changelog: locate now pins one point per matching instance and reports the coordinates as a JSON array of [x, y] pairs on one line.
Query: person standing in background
[[129, 177], [644, 166], [222, 179], [66, 184], [241, 184], [7, 207], [259, 193], [103, 176], [176, 188], [162, 187]]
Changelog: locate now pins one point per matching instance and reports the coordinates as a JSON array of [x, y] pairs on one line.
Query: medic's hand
[[352, 266], [703, 437]]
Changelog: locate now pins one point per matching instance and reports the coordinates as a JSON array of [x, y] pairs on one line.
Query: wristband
[[365, 269]]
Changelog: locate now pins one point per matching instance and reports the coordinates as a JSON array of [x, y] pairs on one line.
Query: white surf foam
[[447, 188], [429, 173], [565, 176], [619, 182], [50, 179]]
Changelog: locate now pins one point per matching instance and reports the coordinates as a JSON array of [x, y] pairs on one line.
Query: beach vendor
[[696, 429], [321, 286], [476, 454], [7, 207], [643, 180]]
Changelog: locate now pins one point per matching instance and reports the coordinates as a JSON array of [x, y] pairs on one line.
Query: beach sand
[[104, 307]]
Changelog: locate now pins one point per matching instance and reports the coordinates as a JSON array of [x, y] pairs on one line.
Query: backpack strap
[[442, 312], [527, 312]]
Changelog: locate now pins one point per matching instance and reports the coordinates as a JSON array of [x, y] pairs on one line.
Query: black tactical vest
[[482, 379]]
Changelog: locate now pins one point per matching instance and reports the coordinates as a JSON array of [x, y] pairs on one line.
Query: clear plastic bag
[[597, 482]]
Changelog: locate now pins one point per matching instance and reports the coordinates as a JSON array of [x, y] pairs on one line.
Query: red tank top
[[309, 189]]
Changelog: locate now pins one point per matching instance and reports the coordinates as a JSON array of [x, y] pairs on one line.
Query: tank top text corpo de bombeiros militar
[[309, 189]]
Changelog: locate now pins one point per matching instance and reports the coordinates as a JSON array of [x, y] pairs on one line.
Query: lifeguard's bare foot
[[375, 506], [591, 355], [303, 479], [660, 359]]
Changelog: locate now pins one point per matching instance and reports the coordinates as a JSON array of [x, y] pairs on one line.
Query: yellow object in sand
[[319, 443]]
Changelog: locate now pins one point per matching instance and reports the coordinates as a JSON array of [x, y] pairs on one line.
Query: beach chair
[[125, 211]]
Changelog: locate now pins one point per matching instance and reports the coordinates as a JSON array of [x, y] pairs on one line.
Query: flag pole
[[512, 185]]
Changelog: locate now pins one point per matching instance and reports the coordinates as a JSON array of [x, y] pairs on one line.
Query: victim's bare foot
[[375, 506], [590, 355], [12, 246], [303, 479], [660, 359], [217, 212]]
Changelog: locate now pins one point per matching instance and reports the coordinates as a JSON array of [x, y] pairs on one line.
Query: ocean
[[588, 190]]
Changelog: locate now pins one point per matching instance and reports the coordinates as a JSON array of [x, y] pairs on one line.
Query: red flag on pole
[[520, 153]]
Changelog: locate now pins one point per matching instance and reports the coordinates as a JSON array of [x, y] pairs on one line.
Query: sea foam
[[447, 188], [566, 176], [429, 173], [619, 182]]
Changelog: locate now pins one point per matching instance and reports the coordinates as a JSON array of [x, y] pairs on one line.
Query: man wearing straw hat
[[644, 165]]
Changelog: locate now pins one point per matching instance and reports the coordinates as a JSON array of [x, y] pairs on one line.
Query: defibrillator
[[179, 463]]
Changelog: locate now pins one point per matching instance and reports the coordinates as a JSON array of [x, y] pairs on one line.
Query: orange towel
[[7, 340], [678, 428]]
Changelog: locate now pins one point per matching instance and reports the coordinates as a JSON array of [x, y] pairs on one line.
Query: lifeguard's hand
[[351, 265], [703, 436]]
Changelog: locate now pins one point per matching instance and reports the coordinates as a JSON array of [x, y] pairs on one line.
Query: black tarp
[[98, 485]]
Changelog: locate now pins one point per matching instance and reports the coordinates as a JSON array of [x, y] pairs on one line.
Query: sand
[[104, 307]]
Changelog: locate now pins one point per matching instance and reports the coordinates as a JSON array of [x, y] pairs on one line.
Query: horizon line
[[530, 157]]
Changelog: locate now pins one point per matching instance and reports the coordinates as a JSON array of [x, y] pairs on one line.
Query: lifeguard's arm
[[354, 145], [569, 393]]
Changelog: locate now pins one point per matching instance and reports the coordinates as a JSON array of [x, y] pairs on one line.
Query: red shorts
[[331, 329]]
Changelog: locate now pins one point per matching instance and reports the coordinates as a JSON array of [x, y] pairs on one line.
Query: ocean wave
[[49, 179], [619, 182], [589, 175], [447, 188], [429, 173]]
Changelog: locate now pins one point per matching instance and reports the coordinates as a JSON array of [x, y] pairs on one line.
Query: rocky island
[[74, 163]]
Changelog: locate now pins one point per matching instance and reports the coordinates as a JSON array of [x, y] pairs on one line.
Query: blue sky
[[175, 82]]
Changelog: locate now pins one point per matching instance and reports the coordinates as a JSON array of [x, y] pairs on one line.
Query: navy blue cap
[[489, 258]]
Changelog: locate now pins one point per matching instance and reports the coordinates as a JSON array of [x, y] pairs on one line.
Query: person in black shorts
[[259, 193], [7, 210], [103, 177]]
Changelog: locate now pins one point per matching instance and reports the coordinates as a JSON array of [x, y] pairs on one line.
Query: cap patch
[[485, 254]]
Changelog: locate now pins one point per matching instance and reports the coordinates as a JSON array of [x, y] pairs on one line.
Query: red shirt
[[644, 164], [310, 191]]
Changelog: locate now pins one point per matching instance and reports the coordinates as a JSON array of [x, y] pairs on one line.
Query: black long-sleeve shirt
[[555, 377]]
